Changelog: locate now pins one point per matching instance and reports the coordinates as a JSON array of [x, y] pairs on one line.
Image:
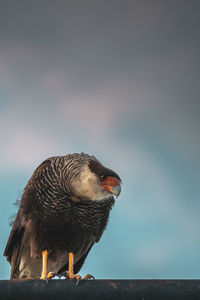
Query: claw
[[27, 277], [51, 275], [43, 277], [78, 278], [48, 277], [88, 276], [69, 274]]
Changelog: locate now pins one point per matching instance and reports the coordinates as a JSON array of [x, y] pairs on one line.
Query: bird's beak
[[116, 190]]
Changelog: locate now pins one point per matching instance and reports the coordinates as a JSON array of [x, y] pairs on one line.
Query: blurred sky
[[119, 80]]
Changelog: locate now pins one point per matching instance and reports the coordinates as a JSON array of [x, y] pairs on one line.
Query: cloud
[[24, 149], [119, 81]]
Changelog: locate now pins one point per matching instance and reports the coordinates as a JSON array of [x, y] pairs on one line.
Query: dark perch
[[100, 289]]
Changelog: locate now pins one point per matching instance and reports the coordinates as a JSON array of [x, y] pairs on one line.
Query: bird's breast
[[77, 225]]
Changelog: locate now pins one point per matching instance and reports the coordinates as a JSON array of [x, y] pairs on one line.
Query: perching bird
[[63, 212]]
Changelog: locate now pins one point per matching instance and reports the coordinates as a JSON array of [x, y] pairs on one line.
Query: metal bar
[[100, 289]]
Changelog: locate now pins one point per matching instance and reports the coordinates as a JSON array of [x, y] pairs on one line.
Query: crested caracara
[[63, 211]]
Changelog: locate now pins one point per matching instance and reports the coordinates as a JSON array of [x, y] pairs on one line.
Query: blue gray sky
[[119, 80]]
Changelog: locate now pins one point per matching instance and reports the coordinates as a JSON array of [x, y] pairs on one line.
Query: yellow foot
[[27, 277], [70, 276], [43, 277], [51, 275]]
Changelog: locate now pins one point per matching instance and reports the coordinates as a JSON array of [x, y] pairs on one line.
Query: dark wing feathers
[[13, 249], [18, 229], [13, 241], [80, 262]]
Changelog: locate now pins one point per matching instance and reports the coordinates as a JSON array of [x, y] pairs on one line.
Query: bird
[[63, 212]]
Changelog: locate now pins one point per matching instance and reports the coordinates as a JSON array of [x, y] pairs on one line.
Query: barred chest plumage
[[91, 215], [67, 224]]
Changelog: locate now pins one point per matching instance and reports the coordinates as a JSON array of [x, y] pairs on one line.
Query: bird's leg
[[70, 273], [44, 274], [44, 265]]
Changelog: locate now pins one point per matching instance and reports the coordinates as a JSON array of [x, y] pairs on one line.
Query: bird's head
[[95, 182]]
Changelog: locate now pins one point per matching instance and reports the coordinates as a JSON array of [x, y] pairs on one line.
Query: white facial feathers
[[88, 186]]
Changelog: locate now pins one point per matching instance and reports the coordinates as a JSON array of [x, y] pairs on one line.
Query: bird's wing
[[14, 247], [81, 261]]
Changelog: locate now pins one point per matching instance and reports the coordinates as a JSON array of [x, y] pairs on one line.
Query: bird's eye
[[103, 176]]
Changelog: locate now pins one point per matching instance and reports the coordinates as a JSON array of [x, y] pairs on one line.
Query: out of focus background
[[119, 80]]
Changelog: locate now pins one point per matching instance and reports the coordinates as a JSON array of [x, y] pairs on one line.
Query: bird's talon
[[27, 277], [67, 275], [44, 277], [51, 275], [70, 276], [88, 276]]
